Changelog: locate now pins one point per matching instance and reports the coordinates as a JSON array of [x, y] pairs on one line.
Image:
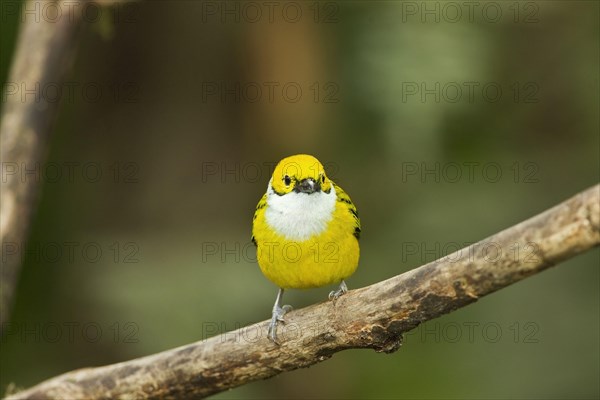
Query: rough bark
[[373, 317]]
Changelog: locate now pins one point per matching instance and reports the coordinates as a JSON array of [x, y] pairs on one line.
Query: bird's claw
[[335, 294], [282, 311], [279, 312]]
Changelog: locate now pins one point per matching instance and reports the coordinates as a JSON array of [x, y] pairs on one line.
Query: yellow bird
[[306, 230]]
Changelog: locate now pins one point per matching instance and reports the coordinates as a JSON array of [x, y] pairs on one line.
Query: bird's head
[[301, 173]]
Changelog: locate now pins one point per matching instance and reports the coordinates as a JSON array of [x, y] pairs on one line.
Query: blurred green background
[[444, 123]]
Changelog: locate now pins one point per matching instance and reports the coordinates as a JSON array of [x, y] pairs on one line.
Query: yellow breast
[[321, 259]]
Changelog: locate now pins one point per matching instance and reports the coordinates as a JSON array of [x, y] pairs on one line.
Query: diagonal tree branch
[[372, 317]]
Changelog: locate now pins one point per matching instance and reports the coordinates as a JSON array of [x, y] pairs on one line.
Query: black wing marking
[[344, 198]]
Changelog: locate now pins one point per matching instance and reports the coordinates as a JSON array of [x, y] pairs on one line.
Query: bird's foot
[[335, 294], [278, 313]]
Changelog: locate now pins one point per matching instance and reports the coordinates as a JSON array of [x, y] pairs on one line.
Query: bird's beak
[[307, 186]]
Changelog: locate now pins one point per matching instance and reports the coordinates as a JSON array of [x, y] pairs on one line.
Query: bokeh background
[[444, 123]]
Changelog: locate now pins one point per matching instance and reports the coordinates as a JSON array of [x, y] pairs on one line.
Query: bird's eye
[[287, 180], [323, 178]]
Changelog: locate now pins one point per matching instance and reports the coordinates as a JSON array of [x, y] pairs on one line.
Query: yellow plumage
[[323, 259], [306, 230]]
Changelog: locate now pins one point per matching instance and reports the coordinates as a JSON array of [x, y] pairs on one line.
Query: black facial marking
[[307, 186]]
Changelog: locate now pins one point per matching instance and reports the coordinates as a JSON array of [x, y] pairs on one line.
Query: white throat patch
[[299, 216]]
